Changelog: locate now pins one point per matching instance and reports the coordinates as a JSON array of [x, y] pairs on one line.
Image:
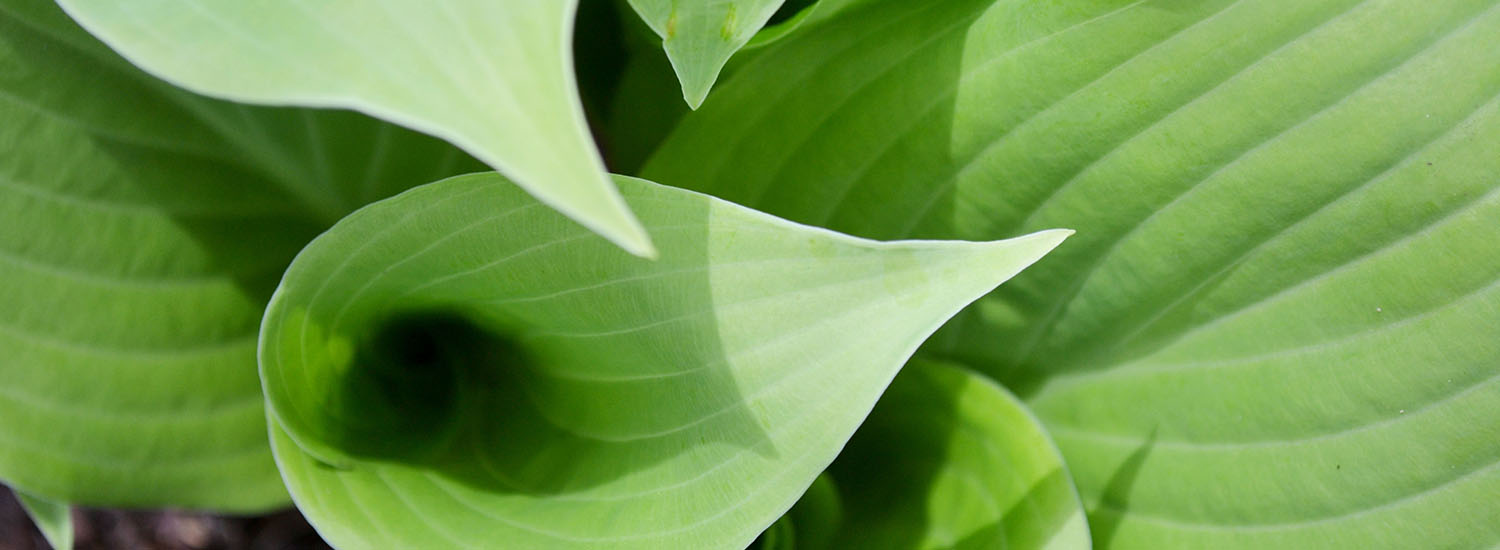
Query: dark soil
[[111, 529]]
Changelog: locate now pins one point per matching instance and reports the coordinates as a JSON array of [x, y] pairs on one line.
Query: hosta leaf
[[643, 111], [699, 36], [946, 460], [457, 367], [142, 229], [491, 76], [54, 519], [1276, 328]]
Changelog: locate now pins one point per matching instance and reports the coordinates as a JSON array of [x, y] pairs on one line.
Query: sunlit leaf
[[458, 367], [491, 76], [1276, 327]]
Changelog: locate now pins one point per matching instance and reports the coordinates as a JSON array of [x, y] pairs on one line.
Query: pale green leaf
[[142, 230], [458, 367], [491, 76], [946, 460], [54, 519], [699, 36], [1276, 327]]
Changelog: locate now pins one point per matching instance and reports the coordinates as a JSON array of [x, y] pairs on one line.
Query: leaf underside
[[492, 77], [1275, 328], [699, 37], [142, 230], [457, 366]]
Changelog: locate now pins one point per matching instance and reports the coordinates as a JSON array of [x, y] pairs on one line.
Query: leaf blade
[[699, 38], [139, 247], [726, 322], [1231, 288], [947, 459], [495, 79]]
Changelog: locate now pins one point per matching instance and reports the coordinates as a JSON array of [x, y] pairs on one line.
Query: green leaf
[[54, 519], [457, 367], [1275, 329], [643, 110], [798, 12], [946, 460], [700, 36], [142, 230], [493, 77]]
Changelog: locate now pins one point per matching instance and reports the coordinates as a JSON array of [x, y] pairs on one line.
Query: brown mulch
[[111, 529]]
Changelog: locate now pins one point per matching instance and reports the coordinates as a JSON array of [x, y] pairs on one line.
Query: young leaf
[[142, 230], [1276, 327], [493, 77], [946, 460], [457, 367], [53, 518], [700, 36]]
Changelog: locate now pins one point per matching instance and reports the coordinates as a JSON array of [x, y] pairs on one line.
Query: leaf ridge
[[1047, 323]]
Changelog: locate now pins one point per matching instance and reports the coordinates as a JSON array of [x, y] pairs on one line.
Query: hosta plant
[[1263, 311]]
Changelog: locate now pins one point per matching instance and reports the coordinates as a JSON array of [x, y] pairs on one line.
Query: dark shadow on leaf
[[1033, 520], [885, 473], [1114, 502], [549, 378]]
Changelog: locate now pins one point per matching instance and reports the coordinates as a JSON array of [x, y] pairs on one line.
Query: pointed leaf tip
[[286, 54], [600, 400], [695, 94], [629, 235], [53, 518], [700, 37], [1303, 298]]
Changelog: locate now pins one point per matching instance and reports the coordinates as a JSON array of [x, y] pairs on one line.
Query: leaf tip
[[696, 77], [1049, 239], [694, 91], [53, 518], [634, 239], [1019, 253]]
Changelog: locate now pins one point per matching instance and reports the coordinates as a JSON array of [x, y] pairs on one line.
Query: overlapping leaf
[[458, 367], [142, 230], [491, 76], [699, 37], [946, 460], [1276, 327]]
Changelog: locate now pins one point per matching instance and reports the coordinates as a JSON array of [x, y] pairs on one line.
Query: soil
[[114, 529]]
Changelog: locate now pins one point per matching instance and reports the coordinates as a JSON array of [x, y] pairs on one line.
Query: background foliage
[[1274, 326]]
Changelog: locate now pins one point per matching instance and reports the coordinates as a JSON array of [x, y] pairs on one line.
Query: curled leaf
[[456, 364]]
